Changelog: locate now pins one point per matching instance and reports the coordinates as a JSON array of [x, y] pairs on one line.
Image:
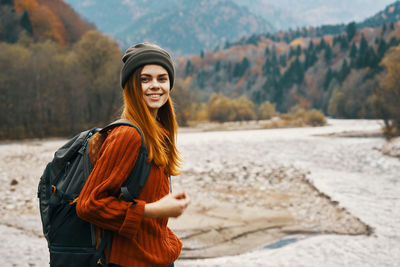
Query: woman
[[141, 236]]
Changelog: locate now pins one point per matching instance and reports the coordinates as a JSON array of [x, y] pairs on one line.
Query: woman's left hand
[[172, 205]]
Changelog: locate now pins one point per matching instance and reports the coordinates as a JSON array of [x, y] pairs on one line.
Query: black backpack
[[71, 240]]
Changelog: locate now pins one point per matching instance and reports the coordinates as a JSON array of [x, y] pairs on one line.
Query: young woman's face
[[156, 87]]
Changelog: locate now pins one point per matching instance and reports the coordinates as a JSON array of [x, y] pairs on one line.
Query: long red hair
[[160, 140]]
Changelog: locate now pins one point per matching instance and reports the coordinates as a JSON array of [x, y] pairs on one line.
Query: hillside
[[287, 14], [183, 27], [332, 68], [390, 14], [41, 19]]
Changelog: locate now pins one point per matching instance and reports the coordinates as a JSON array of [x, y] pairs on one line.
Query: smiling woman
[[140, 233], [155, 86]]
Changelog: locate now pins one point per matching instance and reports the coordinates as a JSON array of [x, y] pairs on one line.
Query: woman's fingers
[[179, 195]]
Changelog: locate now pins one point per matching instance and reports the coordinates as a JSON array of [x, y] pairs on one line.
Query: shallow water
[[281, 243], [350, 170]]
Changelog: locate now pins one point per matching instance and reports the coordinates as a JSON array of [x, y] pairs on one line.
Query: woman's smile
[[155, 86]]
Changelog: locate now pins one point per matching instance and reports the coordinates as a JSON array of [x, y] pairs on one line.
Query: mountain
[[41, 19], [285, 14], [389, 15], [332, 68], [184, 27]]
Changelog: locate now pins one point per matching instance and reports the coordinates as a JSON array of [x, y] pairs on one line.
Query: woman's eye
[[144, 80]]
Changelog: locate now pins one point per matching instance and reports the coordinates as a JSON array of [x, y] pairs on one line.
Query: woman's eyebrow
[[146, 74]]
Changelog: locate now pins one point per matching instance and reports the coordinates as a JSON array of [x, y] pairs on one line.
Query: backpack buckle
[[53, 189]]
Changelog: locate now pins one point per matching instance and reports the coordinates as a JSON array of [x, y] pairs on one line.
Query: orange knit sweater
[[137, 241]]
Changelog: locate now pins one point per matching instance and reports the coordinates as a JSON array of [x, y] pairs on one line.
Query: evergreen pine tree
[[267, 67], [188, 68], [328, 54], [351, 30], [286, 38], [291, 52], [344, 71], [344, 44], [372, 59], [26, 23], [321, 45], [267, 52], [310, 46], [298, 51], [381, 48], [328, 77], [240, 68], [217, 66], [363, 45], [353, 51], [393, 41], [363, 54], [282, 60]]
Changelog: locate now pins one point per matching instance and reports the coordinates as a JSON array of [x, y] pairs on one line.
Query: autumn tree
[[266, 111], [220, 108], [99, 61], [13, 67], [183, 98], [244, 109], [389, 91]]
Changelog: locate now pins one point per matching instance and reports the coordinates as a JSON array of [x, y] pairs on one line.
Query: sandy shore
[[246, 196]]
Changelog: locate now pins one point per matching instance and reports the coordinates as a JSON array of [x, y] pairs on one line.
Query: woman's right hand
[[172, 205]]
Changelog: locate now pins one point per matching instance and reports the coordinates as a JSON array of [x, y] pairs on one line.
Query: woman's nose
[[154, 84]]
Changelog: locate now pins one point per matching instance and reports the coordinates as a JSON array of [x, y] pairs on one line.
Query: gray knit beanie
[[142, 54]]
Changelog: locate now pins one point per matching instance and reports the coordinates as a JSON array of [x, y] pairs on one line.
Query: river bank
[[278, 197], [352, 171]]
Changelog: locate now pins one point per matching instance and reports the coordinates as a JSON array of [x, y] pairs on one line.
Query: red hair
[[160, 139]]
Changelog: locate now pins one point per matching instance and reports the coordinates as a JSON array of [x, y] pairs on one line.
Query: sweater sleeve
[[97, 202]]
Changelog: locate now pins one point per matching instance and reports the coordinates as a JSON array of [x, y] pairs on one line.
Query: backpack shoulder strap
[[123, 122], [138, 177]]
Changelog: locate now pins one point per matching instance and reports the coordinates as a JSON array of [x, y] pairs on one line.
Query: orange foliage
[[26, 5], [73, 25], [44, 22], [49, 17], [303, 42], [256, 69], [48, 25], [196, 61]]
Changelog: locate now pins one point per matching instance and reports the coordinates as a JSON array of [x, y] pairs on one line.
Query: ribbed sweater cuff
[[133, 218]]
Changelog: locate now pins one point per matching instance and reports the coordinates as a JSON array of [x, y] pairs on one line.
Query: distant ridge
[[183, 27], [389, 15]]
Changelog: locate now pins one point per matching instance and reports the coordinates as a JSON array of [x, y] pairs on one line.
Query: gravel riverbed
[[350, 172]]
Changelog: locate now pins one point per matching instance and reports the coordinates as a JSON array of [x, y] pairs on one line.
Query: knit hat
[[142, 54]]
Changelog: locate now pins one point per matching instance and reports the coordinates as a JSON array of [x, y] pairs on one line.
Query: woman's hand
[[172, 205]]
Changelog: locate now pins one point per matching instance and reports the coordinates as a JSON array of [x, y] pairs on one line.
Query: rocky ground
[[239, 208], [248, 191], [392, 148]]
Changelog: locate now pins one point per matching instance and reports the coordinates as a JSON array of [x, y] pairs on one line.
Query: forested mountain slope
[[337, 73], [41, 19]]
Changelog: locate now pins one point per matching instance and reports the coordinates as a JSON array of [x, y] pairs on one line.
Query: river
[[351, 170]]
